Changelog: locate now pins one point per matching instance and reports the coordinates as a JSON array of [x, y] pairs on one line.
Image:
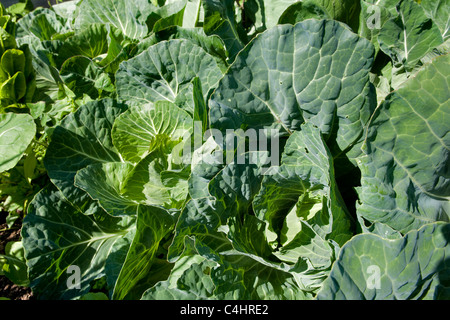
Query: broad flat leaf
[[128, 16], [405, 181], [317, 72], [212, 44], [153, 137], [138, 131], [82, 139], [373, 268], [410, 35], [13, 264], [439, 11], [164, 71], [54, 230], [16, 133], [104, 182], [154, 181], [153, 224]]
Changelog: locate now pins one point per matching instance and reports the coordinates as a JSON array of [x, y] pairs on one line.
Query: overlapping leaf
[[414, 267], [82, 139], [315, 71], [163, 72], [409, 35], [56, 231], [128, 16], [404, 170]]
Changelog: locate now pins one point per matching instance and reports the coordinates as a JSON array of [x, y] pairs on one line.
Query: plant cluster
[[206, 149]]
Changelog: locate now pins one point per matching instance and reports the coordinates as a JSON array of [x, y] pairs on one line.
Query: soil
[[7, 288]]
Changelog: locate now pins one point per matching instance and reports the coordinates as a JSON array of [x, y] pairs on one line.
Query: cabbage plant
[[238, 150]]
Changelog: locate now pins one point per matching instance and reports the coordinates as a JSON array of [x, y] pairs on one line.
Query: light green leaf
[[153, 137], [13, 264], [104, 182], [153, 224], [13, 61], [373, 268], [140, 130], [172, 14], [404, 170], [154, 182], [192, 13], [16, 133], [13, 89]]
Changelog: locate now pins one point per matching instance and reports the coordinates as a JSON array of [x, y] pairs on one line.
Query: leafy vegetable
[[203, 149], [16, 133], [404, 183], [412, 267]]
